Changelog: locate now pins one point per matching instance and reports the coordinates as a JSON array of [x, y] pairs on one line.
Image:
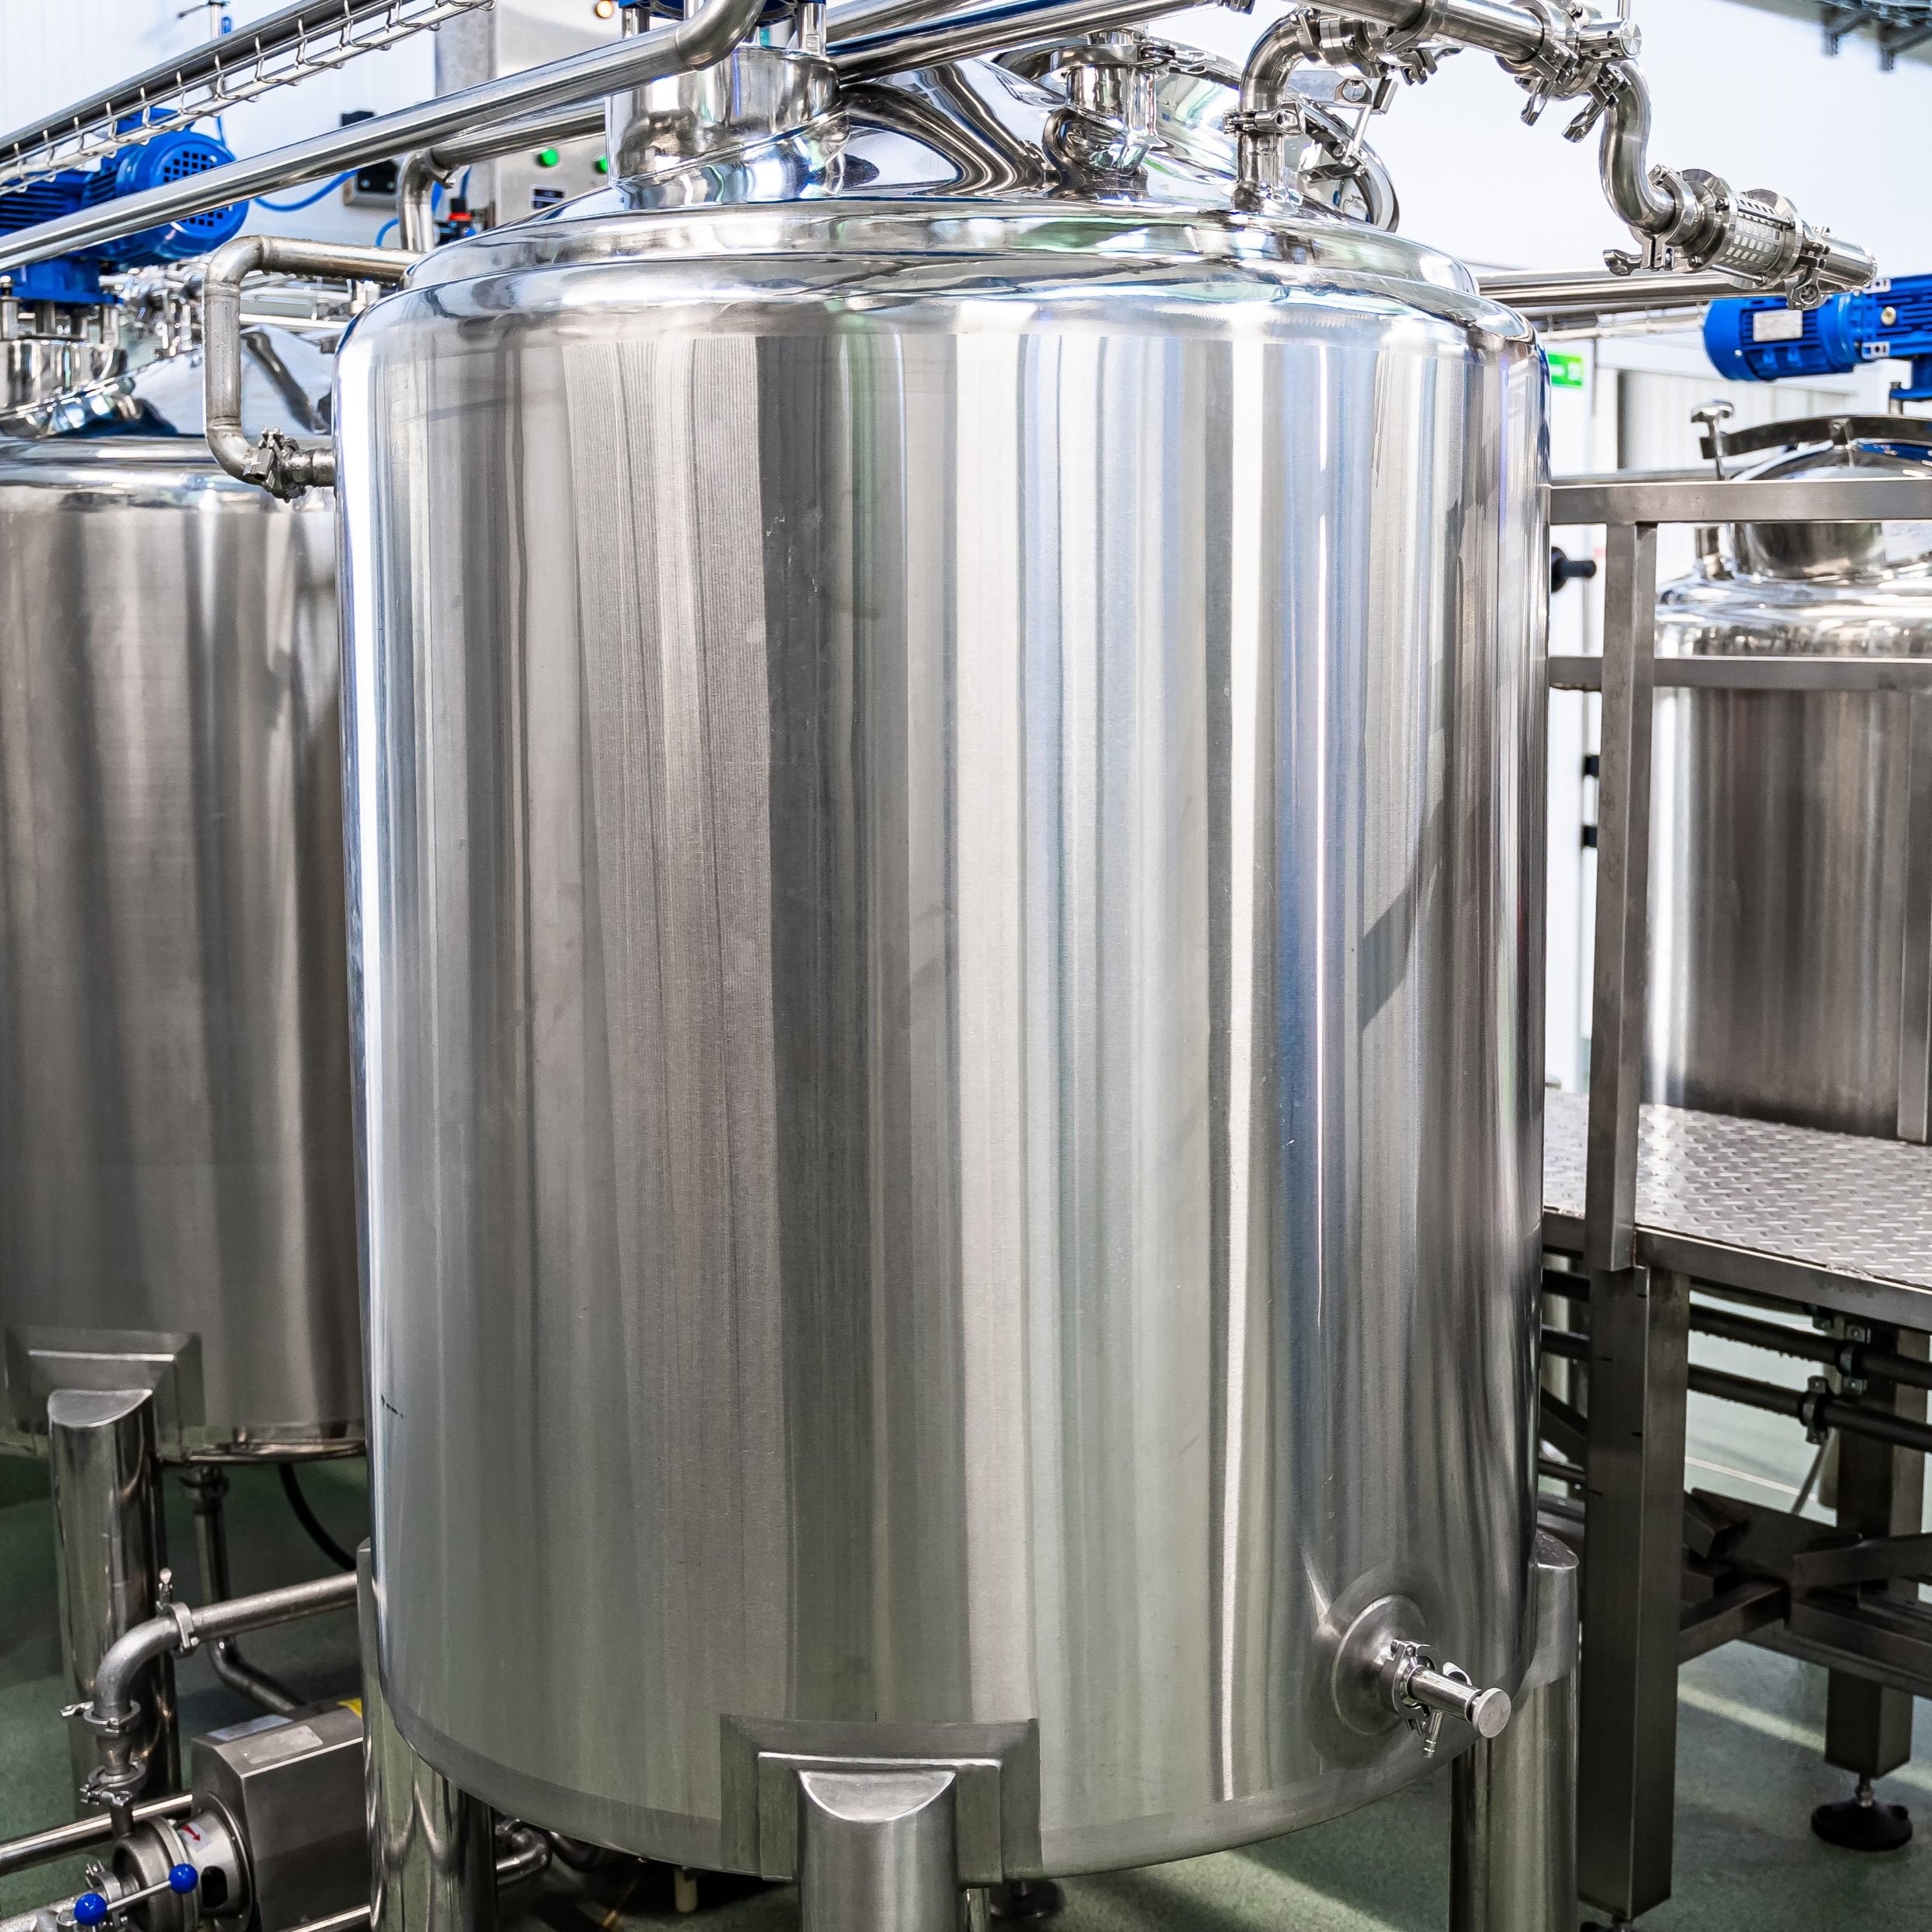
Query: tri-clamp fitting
[[1686, 219]]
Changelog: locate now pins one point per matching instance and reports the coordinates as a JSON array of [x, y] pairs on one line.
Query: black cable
[[306, 1516]]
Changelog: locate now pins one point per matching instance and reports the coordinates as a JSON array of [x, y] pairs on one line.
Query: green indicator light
[[602, 164], [1566, 371], [548, 158]]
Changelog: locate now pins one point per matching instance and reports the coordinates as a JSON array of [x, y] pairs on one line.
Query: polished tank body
[[945, 860], [1791, 871], [176, 1167]]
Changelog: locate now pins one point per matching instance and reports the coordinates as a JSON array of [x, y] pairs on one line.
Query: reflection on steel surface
[[177, 1178]]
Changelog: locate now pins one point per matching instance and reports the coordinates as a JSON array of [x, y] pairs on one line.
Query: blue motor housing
[[1758, 339], [167, 156]]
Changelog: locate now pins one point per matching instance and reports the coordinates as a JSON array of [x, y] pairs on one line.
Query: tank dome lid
[[1883, 445]]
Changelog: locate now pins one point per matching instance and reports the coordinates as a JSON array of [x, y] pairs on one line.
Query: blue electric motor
[[1758, 339], [167, 156]]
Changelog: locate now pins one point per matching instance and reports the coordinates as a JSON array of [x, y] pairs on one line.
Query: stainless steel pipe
[[422, 171], [280, 463], [1513, 1855], [429, 1842], [1588, 293], [115, 1713], [111, 1537], [959, 36], [59, 1841], [207, 1487], [706, 36]]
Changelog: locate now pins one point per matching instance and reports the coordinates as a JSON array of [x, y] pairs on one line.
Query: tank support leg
[[111, 1540], [877, 1851], [1513, 1851], [1867, 1726], [431, 1859], [1640, 1327]]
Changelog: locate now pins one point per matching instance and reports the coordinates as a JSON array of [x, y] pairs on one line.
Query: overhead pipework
[[1683, 221]]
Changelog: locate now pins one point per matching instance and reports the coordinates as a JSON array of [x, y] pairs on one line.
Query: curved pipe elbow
[[417, 181], [126, 1658], [1640, 201], [1274, 57], [277, 463]]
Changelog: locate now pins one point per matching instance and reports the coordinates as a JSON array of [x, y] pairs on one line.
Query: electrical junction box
[[505, 39]]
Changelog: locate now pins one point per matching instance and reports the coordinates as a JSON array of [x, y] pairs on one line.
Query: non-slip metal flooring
[[1749, 1773]]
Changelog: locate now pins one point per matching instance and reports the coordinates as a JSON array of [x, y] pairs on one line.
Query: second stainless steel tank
[[1791, 888], [177, 1195]]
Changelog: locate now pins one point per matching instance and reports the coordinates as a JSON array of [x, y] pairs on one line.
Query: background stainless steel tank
[[176, 1186], [1791, 883], [945, 867]]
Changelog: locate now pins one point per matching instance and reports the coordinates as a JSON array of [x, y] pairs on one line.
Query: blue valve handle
[[91, 1907]]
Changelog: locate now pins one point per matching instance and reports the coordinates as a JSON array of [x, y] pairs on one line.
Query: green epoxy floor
[[1748, 1775]]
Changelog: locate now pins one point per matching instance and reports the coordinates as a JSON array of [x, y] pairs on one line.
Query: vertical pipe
[[1513, 1851], [111, 1541], [431, 1861], [877, 1851]]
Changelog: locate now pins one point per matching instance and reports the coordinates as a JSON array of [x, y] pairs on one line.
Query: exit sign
[[1565, 371]]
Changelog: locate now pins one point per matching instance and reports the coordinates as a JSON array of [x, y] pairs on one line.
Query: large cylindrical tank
[[1782, 942], [946, 861], [177, 1168]]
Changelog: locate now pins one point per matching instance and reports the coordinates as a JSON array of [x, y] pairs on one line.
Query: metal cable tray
[[1838, 1220]]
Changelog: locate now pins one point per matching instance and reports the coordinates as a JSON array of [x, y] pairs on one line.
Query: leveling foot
[[1861, 1824], [1025, 1899]]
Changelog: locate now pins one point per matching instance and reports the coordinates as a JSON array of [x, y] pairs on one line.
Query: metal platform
[[1837, 1220]]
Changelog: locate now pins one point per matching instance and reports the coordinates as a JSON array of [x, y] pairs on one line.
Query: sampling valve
[[1382, 1671], [1422, 1694]]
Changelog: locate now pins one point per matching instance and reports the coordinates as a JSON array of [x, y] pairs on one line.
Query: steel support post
[[1639, 1320], [1620, 988], [433, 1864], [1880, 1492], [112, 1539], [1640, 1329], [1513, 1851], [877, 1851]]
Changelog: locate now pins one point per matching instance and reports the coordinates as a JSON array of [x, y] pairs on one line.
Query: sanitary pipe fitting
[[283, 465], [177, 1630]]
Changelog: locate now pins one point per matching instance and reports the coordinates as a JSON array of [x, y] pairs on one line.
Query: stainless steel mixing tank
[[945, 865], [1792, 861], [176, 1179]]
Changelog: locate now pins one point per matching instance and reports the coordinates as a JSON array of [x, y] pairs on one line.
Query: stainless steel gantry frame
[[1640, 1316]]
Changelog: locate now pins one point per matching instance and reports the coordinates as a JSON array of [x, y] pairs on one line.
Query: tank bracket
[[994, 1787]]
